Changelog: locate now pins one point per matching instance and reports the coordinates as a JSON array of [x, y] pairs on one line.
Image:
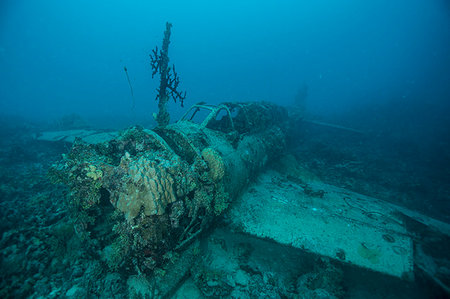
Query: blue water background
[[390, 59]]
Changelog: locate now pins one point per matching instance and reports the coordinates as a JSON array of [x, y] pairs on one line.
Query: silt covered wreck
[[138, 195]]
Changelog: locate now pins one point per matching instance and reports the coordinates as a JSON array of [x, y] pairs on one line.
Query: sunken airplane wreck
[[141, 195], [139, 198], [145, 193]]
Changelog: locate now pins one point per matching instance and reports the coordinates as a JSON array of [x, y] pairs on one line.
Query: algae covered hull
[[137, 195]]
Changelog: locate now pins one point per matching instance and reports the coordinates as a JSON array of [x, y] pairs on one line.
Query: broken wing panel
[[326, 220]]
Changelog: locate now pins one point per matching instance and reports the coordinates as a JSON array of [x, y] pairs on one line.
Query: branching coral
[[169, 80]]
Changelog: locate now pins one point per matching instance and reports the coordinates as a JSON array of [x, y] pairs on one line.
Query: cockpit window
[[221, 122], [197, 115]]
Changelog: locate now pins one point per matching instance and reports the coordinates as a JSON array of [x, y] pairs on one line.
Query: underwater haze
[[322, 169], [63, 57]]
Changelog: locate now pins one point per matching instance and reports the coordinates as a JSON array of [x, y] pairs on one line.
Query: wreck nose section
[[147, 184]]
